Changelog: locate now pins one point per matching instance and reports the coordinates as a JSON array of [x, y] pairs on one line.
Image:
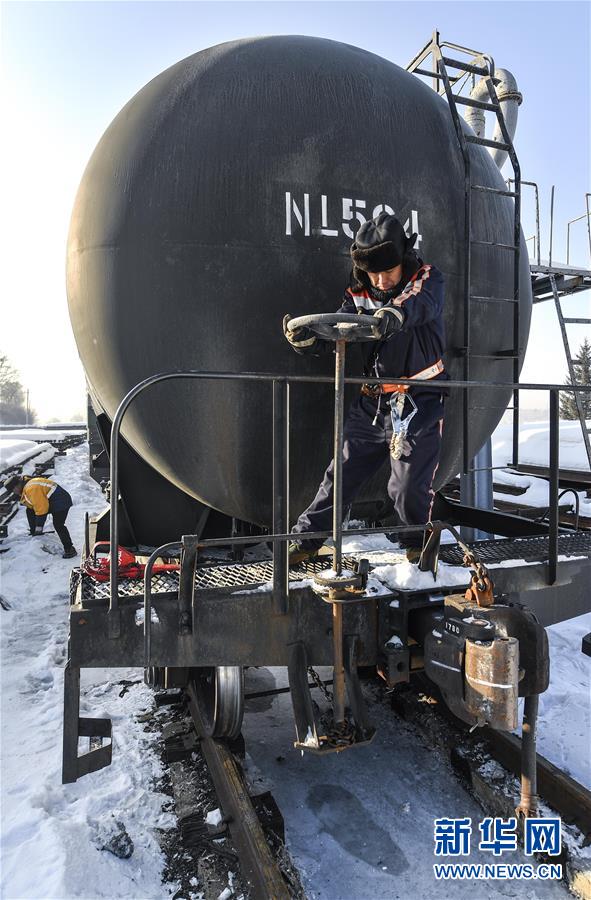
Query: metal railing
[[280, 535]]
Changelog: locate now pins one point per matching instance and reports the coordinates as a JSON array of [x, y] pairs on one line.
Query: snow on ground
[[51, 834], [564, 732], [533, 444]]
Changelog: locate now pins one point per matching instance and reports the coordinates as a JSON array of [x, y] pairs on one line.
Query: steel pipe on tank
[[509, 101]]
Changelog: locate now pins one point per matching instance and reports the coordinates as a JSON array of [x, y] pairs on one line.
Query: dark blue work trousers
[[365, 448]]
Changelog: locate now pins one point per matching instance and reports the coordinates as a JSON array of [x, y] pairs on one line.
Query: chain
[[319, 683]]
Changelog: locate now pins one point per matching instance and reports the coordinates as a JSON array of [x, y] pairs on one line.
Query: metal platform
[[245, 575], [230, 575], [530, 549]]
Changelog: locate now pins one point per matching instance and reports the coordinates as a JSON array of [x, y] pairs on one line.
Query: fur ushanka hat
[[381, 244]]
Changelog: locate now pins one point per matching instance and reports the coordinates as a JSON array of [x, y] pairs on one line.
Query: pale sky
[[68, 68]]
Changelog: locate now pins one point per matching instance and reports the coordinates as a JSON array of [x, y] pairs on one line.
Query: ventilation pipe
[[509, 99]]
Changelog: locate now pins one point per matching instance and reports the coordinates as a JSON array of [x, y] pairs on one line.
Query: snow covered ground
[[52, 834], [533, 444]]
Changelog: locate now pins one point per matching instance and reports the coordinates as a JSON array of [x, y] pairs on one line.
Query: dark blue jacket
[[420, 343]]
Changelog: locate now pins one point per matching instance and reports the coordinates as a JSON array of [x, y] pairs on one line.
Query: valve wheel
[[339, 326]]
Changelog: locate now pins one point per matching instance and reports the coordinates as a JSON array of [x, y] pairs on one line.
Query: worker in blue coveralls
[[391, 282]]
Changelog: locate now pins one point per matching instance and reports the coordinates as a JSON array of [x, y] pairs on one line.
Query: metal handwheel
[[220, 693], [339, 327]]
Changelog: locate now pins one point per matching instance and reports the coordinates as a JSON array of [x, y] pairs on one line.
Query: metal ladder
[[563, 322], [483, 65]]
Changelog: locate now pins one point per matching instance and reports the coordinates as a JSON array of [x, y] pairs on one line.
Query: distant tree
[[582, 367], [13, 409]]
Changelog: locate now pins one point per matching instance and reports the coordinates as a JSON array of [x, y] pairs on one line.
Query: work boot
[[297, 553], [413, 554], [70, 553]]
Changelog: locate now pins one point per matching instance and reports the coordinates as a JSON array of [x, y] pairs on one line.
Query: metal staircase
[[483, 65]]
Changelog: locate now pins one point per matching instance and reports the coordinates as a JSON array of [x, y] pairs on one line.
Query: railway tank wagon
[[226, 193]]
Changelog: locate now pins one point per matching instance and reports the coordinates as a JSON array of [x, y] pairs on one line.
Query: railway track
[[239, 844], [267, 873], [497, 788]]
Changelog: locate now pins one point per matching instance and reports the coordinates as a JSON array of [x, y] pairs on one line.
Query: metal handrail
[[568, 225], [439, 385], [170, 549], [509, 182]]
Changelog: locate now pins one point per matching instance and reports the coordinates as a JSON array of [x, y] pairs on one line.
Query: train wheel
[[220, 693], [154, 677]]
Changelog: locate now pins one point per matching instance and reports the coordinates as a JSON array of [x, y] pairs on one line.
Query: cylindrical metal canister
[[492, 672]]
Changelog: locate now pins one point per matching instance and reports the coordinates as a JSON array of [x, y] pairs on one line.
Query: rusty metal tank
[[226, 193]]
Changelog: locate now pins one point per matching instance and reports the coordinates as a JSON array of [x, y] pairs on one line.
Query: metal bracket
[[303, 710], [429, 558], [75, 727], [114, 623], [397, 661], [187, 582], [365, 730]]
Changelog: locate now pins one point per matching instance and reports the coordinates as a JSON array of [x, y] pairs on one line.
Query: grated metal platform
[[253, 574], [530, 549], [228, 575]]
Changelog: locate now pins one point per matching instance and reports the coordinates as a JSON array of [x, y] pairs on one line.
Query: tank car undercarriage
[[216, 616]]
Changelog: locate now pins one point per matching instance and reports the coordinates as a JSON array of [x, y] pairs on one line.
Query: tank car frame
[[219, 616]]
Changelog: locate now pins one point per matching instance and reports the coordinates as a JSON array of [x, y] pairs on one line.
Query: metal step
[[513, 247], [571, 321], [478, 104], [490, 190], [464, 66], [486, 142], [500, 354], [495, 299], [426, 72]]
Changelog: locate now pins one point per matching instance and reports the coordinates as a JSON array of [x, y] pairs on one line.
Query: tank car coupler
[[484, 658]]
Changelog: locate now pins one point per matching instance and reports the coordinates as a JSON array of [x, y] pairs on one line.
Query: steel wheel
[[154, 677], [220, 693]]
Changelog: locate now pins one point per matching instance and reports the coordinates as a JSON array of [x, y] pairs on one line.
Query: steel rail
[[563, 793], [259, 867]]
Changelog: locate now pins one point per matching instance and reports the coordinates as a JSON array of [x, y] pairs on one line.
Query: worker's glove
[[391, 320], [302, 339], [38, 530]]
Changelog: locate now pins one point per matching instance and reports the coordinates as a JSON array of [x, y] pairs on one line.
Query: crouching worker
[[41, 496], [391, 282]]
